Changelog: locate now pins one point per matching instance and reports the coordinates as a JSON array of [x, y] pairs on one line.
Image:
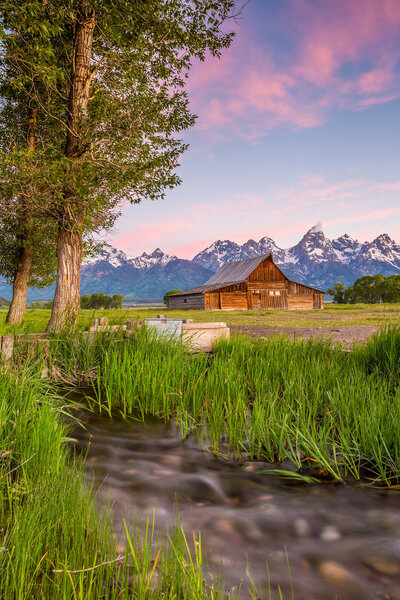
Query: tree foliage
[[108, 79], [167, 294], [100, 300], [370, 289]]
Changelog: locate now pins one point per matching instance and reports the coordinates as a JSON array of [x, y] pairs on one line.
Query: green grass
[[55, 545], [335, 414], [332, 316], [331, 412]]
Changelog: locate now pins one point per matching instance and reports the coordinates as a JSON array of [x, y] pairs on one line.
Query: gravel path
[[348, 336]]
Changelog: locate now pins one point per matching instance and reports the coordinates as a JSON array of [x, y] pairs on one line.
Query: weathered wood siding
[[318, 301], [266, 271], [193, 301], [233, 300], [300, 301]]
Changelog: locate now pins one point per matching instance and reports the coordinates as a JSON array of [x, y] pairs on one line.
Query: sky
[[298, 123]]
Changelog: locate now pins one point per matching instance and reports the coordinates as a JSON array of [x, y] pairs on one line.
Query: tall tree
[[126, 104], [126, 66], [26, 238]]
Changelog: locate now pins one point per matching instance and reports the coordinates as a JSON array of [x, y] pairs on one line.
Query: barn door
[[264, 299], [316, 301], [277, 299], [256, 299], [214, 301]]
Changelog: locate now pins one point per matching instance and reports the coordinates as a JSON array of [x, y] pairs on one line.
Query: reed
[[55, 545], [332, 413]]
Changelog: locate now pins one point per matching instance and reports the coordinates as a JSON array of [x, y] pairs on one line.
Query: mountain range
[[315, 260]]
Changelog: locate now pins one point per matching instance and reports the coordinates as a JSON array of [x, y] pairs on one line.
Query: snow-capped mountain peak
[[109, 254], [156, 258], [381, 250], [315, 260], [117, 258], [313, 246]]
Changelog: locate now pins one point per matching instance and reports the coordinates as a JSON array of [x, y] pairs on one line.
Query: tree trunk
[[69, 245], [23, 270], [67, 296], [22, 277]]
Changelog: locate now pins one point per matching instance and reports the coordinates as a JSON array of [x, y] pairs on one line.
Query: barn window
[[238, 287], [185, 300], [277, 293], [271, 292]]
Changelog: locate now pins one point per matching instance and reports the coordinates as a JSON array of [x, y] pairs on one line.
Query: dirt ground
[[347, 336]]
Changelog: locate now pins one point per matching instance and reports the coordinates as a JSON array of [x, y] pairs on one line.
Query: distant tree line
[[370, 289], [94, 301], [41, 304], [100, 300], [4, 303]]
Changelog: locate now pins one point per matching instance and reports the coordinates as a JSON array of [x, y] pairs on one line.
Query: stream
[[341, 541]]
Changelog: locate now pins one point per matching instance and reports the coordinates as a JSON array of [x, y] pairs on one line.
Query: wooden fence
[[199, 337]]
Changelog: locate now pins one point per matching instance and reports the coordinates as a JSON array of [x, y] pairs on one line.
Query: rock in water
[[334, 571]]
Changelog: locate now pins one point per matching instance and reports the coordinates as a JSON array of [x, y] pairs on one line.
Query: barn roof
[[236, 272], [232, 273], [229, 274]]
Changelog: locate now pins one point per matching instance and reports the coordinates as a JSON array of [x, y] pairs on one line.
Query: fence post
[[7, 348]]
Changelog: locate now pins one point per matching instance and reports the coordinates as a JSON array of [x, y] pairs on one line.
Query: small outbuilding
[[250, 284]]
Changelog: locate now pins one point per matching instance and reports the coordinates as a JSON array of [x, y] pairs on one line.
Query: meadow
[[333, 315], [334, 415]]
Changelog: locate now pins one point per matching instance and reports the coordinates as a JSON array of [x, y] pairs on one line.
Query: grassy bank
[[331, 412], [332, 316], [54, 543]]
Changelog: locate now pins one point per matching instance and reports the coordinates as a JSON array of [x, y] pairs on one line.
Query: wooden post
[[7, 348], [46, 352], [250, 300], [132, 325]]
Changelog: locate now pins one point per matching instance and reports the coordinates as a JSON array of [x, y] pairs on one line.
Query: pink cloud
[[253, 90], [190, 250], [376, 81], [393, 186], [373, 215], [148, 233]]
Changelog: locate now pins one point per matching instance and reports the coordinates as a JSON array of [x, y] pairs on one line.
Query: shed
[[250, 284]]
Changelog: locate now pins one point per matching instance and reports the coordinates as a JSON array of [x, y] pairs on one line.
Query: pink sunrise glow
[[249, 93], [297, 124]]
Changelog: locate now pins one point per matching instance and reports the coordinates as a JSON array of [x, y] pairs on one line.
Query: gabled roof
[[236, 272], [229, 274], [233, 273]]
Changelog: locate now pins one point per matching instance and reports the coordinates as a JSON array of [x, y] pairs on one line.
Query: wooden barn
[[250, 284]]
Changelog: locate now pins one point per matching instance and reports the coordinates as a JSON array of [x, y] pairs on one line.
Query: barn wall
[[193, 301], [318, 301], [298, 288], [266, 285], [300, 301], [266, 271], [233, 300], [213, 300]]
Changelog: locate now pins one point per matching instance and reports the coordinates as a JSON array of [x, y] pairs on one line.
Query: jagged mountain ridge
[[315, 260], [147, 276]]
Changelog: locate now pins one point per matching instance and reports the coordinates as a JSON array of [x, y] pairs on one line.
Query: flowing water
[[340, 541]]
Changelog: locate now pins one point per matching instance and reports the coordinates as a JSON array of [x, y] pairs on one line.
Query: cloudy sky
[[298, 123]]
